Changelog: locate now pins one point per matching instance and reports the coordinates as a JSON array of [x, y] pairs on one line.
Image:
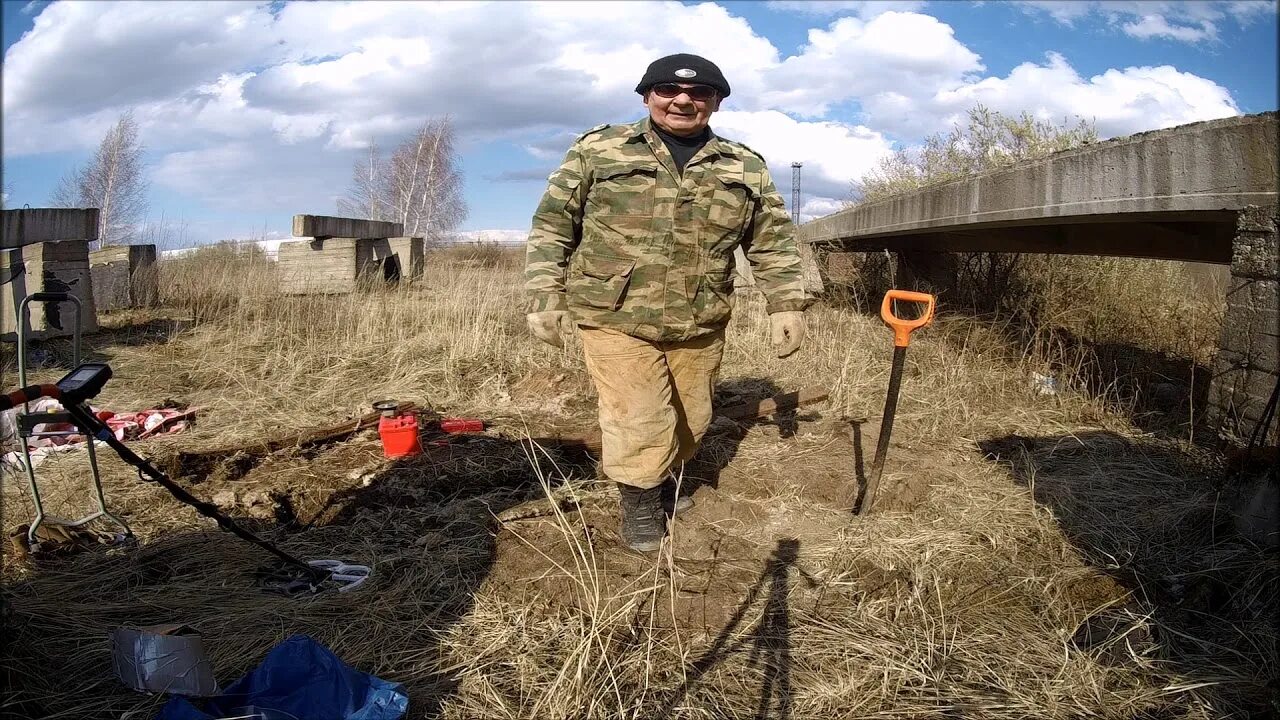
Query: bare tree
[[113, 181], [420, 185], [988, 141], [365, 196], [441, 207]]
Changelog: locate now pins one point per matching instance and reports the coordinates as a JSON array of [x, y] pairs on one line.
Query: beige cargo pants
[[655, 400]]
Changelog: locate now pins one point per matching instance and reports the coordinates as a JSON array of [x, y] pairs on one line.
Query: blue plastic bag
[[300, 679]]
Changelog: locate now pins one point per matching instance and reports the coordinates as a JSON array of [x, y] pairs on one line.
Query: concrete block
[[1259, 357], [1256, 218], [1248, 360], [1249, 318], [309, 267], [410, 252], [324, 226], [124, 276], [49, 269], [27, 226], [1239, 393], [389, 260], [1255, 253], [69, 252], [1253, 294]]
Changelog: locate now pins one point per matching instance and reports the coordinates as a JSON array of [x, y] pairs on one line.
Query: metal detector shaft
[[886, 429], [100, 431]]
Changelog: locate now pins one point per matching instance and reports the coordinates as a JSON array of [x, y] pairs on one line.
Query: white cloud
[[1121, 102], [1064, 11], [1156, 26], [252, 111], [865, 9], [813, 208], [831, 152], [292, 129], [894, 53], [1189, 21], [82, 57]]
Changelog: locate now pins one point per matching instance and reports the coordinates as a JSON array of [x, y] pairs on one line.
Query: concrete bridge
[[1204, 192]]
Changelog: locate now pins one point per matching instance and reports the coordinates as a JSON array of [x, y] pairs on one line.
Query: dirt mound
[[742, 513], [753, 486]]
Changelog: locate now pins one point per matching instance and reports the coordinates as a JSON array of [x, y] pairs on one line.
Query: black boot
[[643, 521], [672, 502]]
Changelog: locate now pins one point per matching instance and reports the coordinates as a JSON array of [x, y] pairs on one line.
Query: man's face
[[682, 109]]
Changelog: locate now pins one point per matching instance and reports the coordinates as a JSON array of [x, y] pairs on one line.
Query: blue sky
[[253, 112]]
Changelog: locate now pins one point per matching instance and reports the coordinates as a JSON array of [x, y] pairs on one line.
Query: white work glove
[[787, 329], [548, 325]]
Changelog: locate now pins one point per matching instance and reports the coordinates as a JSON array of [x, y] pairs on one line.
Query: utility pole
[[809, 263], [795, 192]]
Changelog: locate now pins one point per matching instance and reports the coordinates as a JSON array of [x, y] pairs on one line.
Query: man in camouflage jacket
[[634, 241]]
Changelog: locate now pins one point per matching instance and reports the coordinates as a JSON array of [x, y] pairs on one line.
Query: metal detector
[[80, 385]]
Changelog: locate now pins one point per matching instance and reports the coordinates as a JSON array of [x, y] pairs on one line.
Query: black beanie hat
[[684, 68]]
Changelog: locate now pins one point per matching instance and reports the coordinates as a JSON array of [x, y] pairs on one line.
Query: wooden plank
[[244, 457], [326, 226], [591, 441], [778, 403], [27, 226]]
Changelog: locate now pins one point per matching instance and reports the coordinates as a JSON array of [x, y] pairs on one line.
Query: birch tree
[[365, 196], [419, 185], [113, 181]]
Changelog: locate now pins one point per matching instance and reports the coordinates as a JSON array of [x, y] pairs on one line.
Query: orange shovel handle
[[902, 328]]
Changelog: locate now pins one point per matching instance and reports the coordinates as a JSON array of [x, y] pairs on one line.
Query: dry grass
[[1140, 336], [962, 604]]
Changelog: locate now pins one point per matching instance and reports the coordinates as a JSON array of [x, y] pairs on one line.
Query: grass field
[[1031, 555]]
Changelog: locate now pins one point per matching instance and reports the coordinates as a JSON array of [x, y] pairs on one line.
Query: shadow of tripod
[[769, 642]]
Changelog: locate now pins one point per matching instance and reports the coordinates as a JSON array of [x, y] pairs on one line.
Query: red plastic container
[[461, 425], [399, 436]]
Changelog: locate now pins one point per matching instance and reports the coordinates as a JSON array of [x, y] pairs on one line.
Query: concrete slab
[[27, 226], [1184, 174], [324, 226]]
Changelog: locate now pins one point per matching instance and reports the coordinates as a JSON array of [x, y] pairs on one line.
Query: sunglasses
[[701, 93]]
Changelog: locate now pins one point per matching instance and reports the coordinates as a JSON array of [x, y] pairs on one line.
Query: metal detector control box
[[85, 382]]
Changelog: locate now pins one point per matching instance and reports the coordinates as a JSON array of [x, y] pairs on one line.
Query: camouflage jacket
[[622, 241]]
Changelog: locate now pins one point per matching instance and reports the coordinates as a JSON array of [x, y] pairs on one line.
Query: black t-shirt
[[683, 149]]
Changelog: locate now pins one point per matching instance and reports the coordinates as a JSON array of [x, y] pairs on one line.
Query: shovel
[[901, 339]]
